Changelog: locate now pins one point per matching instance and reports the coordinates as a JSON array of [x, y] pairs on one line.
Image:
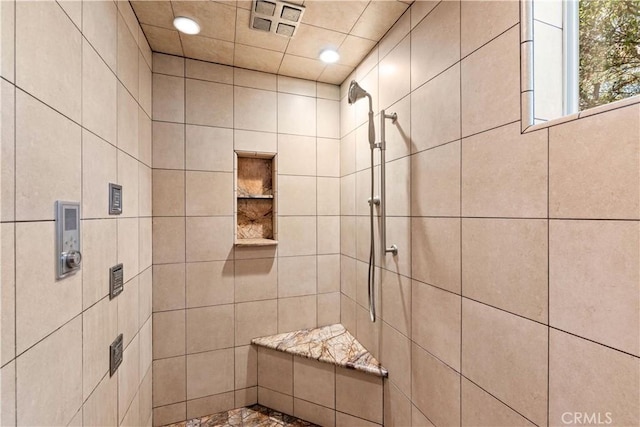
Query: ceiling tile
[[207, 49], [354, 49], [309, 41], [334, 15], [257, 59], [216, 20], [156, 13], [247, 36], [377, 18], [335, 74], [163, 40], [297, 66]]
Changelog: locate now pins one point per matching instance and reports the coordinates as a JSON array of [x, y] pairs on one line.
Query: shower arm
[[382, 145]]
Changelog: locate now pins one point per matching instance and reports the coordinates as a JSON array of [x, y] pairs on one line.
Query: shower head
[[356, 92]]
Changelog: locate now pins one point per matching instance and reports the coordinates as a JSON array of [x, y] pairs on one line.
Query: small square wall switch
[[116, 351], [115, 199]]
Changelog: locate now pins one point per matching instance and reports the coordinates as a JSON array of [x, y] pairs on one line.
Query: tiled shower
[[515, 295]]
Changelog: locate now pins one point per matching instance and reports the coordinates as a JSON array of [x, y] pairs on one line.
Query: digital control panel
[[116, 350], [67, 238], [115, 199], [116, 280]]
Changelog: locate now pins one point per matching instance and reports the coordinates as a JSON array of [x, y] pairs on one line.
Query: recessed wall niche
[[255, 197]]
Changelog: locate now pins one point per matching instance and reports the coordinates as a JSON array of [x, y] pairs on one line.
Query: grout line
[[461, 401]]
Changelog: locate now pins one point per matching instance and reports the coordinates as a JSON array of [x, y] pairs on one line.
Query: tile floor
[[252, 416]]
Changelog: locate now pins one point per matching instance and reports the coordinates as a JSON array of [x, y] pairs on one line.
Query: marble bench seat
[[329, 344]]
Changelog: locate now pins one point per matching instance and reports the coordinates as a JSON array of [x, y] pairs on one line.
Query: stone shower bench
[[323, 375]]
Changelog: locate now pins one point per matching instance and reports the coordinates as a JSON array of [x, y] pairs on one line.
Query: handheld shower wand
[[355, 93]]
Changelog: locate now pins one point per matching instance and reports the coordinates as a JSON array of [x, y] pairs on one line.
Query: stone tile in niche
[[252, 416], [255, 219]]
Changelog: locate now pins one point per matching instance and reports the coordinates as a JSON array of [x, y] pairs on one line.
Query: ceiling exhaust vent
[[276, 17]]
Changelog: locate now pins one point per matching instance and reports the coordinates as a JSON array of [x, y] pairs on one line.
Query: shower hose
[[372, 252]]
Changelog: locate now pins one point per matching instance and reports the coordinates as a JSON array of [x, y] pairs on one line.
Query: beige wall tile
[[328, 308], [399, 187], [395, 307], [168, 240], [435, 181], [328, 196], [99, 94], [128, 246], [209, 193], [493, 340], [98, 170], [317, 414], [397, 406], [343, 419], [99, 328], [210, 405], [395, 355], [417, 417], [328, 124], [169, 382], [262, 142], [42, 402], [328, 234], [481, 21], [144, 84], [168, 64], [592, 175], [209, 103], [209, 149], [99, 246], [297, 195], [593, 281], [328, 156], [491, 84], [436, 322], [168, 287], [168, 192], [314, 382], [435, 111], [254, 109], [128, 178], [398, 134], [146, 359], [169, 330], [359, 394], [505, 174], [246, 366], [505, 264], [480, 408], [7, 299], [297, 313], [168, 98], [209, 71], [209, 238], [127, 57], [169, 414], [296, 155], [296, 114], [128, 377], [275, 370], [296, 235], [435, 252], [246, 397], [395, 70], [127, 122], [209, 328], [8, 56], [296, 276], [348, 313], [328, 273], [128, 316], [435, 43], [44, 140], [439, 397], [209, 283], [168, 145], [255, 279], [255, 319], [145, 191], [296, 86], [278, 401], [48, 56], [101, 408], [7, 145], [99, 26], [42, 303], [592, 378]]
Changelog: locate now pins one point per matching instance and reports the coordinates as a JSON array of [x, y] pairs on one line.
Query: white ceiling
[[352, 27]]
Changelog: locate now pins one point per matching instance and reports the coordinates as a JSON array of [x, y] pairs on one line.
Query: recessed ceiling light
[[186, 25], [329, 56]]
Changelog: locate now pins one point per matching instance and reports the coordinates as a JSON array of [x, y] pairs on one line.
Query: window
[[578, 54]]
